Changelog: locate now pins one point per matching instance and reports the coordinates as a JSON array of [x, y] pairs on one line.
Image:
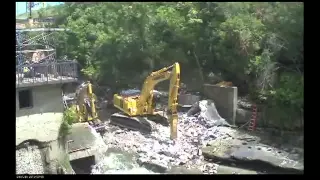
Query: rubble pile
[[29, 160], [157, 150]]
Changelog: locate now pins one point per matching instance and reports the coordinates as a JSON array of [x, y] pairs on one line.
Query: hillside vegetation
[[258, 45]]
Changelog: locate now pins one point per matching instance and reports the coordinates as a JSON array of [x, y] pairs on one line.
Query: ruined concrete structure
[[39, 114], [39, 106]]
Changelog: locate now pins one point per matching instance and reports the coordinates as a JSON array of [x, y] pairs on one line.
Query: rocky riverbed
[[198, 131], [157, 152], [205, 144]]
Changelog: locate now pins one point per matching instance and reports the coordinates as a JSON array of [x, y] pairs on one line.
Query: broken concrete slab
[[251, 155], [208, 111], [83, 142]]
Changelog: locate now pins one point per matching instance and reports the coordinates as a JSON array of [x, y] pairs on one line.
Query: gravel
[[158, 150], [29, 161]]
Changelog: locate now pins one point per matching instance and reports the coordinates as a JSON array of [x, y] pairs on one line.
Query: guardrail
[[39, 74]]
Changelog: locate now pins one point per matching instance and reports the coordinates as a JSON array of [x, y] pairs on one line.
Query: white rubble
[[29, 161], [157, 148], [209, 113]]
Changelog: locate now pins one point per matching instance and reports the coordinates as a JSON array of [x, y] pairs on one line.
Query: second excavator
[[85, 106], [137, 107]]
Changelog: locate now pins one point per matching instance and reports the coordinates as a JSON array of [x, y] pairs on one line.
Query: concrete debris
[[29, 161], [157, 149], [207, 112], [210, 168]]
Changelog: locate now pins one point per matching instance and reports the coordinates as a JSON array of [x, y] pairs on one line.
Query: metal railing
[[53, 73]]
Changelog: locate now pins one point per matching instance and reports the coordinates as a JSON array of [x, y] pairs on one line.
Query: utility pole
[[30, 5]]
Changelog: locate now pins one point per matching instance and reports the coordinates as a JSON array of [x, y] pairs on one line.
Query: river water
[[115, 160], [119, 162]]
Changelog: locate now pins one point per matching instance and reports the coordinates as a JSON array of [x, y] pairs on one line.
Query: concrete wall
[[42, 123], [225, 99], [43, 120], [46, 99], [188, 99]]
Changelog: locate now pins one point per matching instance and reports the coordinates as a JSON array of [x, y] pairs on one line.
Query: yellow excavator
[[86, 108], [139, 106]]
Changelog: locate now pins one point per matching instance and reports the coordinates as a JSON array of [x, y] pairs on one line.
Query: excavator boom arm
[[173, 100], [85, 90], [151, 81], [143, 104], [172, 73], [86, 108]]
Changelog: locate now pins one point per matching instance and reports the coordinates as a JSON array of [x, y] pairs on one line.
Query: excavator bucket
[[100, 128], [97, 125]]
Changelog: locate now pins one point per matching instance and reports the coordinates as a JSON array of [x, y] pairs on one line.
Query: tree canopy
[[256, 45]]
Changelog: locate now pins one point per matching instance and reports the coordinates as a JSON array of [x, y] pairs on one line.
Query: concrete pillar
[[225, 99]]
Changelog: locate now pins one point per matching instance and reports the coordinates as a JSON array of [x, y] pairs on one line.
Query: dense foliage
[[256, 45], [69, 117]]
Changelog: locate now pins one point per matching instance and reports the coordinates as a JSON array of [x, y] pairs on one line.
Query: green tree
[[256, 45]]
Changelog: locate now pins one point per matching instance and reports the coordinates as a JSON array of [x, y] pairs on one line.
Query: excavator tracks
[[134, 123]]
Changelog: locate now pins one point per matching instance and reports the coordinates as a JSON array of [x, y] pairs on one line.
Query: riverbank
[[197, 139]]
